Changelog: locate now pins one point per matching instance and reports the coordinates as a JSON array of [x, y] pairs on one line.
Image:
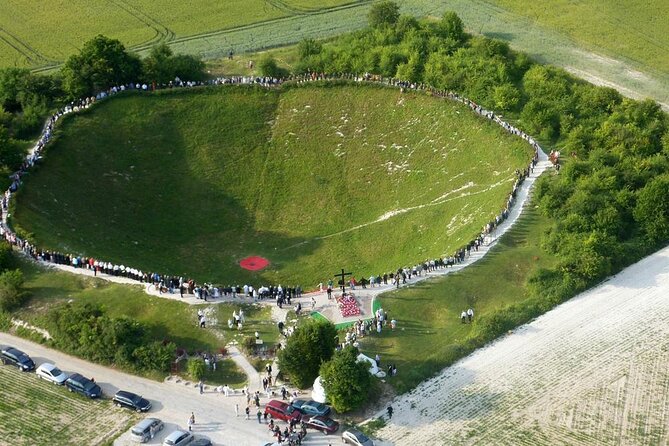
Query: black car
[[131, 401], [201, 442], [13, 356], [83, 385]]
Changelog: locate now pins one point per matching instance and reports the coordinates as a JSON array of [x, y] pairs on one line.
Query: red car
[[282, 411], [323, 424]]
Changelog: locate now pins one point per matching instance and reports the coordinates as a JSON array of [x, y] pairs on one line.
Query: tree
[[345, 380], [311, 344], [269, 67], [506, 97], [652, 209], [309, 47], [101, 63], [451, 26], [385, 13], [156, 68], [11, 290]]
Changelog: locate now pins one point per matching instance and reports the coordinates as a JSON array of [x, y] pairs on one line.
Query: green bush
[[196, 368], [157, 356], [12, 295]]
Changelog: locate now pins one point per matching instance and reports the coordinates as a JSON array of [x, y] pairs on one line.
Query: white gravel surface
[[594, 371]]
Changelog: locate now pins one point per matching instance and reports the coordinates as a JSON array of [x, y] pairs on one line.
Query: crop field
[[36, 412], [636, 30], [46, 35], [591, 372], [191, 182]]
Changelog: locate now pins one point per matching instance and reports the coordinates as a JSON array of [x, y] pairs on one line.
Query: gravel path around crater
[[594, 371]]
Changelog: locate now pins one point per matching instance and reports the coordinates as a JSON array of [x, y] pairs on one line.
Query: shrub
[[155, 356], [12, 295], [196, 368]]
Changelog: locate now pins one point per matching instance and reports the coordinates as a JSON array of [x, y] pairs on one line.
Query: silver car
[[178, 438], [357, 438], [51, 373], [146, 429]]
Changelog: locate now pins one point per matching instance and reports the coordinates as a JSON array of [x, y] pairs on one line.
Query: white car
[[51, 373]]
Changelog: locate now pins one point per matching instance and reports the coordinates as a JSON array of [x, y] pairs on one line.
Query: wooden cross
[[343, 280]]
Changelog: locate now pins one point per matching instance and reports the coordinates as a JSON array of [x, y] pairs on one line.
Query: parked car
[[355, 437], [311, 407], [16, 357], [146, 429], [178, 438], [323, 424], [83, 385], [51, 373], [201, 442], [131, 401], [282, 411]]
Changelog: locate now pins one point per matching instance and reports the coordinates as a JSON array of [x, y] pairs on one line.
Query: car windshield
[[290, 409], [89, 385], [136, 399], [137, 431], [360, 436], [56, 372], [329, 422]]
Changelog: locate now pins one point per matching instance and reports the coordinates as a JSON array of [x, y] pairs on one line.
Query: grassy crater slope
[[312, 178]]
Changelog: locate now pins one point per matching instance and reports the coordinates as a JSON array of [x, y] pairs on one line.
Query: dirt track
[[593, 371]]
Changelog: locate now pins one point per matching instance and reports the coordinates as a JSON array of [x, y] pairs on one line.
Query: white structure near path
[[593, 371]]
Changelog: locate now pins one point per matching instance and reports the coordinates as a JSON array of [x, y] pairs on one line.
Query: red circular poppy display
[[254, 263]]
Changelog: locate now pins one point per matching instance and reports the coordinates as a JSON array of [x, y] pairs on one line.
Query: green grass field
[[37, 412], [191, 182], [429, 334]]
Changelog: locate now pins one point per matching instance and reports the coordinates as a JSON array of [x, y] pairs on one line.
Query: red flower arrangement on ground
[[254, 263], [348, 305]]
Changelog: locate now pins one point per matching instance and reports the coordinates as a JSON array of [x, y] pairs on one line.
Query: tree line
[[26, 98]]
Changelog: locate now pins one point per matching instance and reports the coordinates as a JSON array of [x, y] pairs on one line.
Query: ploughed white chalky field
[[594, 371]]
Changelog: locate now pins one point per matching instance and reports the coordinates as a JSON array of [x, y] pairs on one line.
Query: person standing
[[248, 412], [259, 416], [470, 315], [201, 386], [191, 421], [236, 410], [390, 412]]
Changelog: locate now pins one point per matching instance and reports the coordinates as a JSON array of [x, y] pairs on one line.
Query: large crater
[[311, 178]]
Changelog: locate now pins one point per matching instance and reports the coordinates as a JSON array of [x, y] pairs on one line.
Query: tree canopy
[[312, 343], [101, 63], [346, 381]]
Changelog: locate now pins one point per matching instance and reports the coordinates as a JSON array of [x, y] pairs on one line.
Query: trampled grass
[[313, 179], [429, 334], [36, 412]]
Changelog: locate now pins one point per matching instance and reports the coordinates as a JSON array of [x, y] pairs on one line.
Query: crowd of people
[[170, 284]]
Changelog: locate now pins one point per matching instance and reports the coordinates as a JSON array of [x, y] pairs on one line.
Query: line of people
[[165, 283]]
